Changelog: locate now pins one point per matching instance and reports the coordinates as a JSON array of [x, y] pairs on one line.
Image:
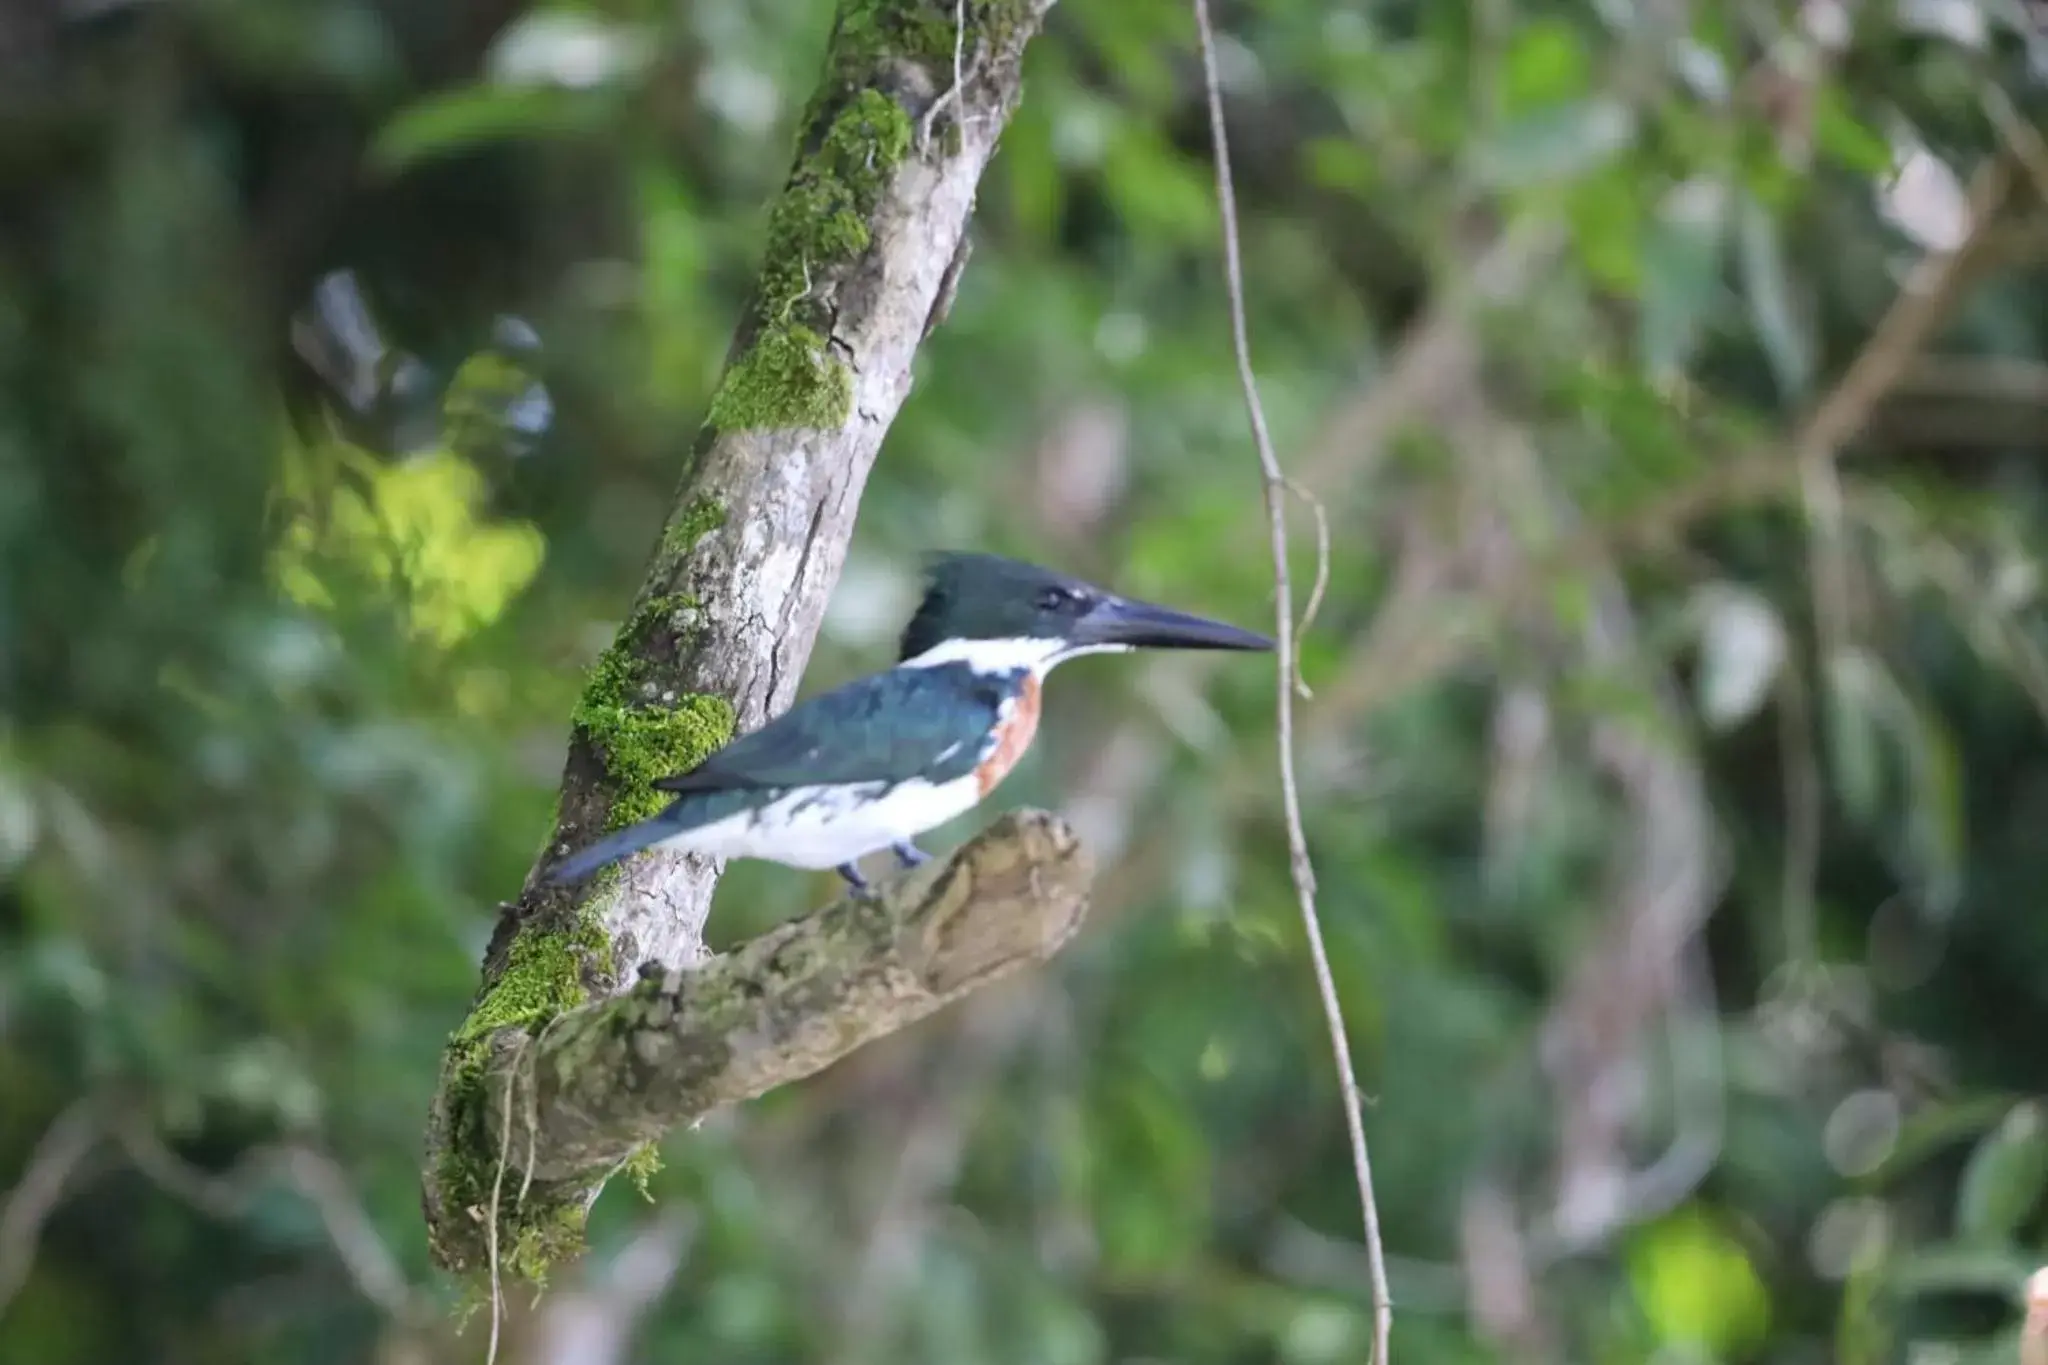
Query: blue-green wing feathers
[[907, 722]]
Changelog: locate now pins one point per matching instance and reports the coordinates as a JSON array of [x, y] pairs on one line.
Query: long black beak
[[1140, 625]]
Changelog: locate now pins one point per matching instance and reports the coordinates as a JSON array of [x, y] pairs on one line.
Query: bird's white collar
[[1007, 656]]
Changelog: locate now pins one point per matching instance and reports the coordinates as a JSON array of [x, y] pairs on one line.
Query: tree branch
[[58, 1154], [858, 247], [682, 1043]]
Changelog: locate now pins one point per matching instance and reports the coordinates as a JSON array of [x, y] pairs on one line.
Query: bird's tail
[[609, 850]]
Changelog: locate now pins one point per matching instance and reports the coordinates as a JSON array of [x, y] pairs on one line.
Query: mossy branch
[[861, 245], [568, 1105]]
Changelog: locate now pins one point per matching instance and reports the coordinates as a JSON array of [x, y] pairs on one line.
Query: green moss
[[784, 380], [1002, 22], [690, 525], [857, 135], [544, 974], [867, 141], [871, 32], [543, 1238], [639, 732], [788, 376], [533, 1238], [643, 1166]]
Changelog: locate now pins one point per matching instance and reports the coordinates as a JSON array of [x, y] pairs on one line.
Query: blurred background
[[1677, 792]]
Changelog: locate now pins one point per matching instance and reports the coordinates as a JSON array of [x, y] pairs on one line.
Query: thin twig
[[1923, 303], [224, 1195], [1700, 1103], [1930, 294], [1926, 299], [1802, 818], [1376, 671], [491, 1229], [363, 1253], [2029, 148], [529, 1052], [931, 115], [1989, 378], [66, 1143], [312, 1174], [1319, 587], [1297, 840], [1434, 356]]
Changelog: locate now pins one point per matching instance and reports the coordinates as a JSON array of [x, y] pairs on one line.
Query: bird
[[876, 762]]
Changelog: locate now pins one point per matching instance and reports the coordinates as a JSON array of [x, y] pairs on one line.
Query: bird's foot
[[909, 854], [861, 885]]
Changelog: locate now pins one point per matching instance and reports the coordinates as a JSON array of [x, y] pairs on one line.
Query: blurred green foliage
[[288, 673]]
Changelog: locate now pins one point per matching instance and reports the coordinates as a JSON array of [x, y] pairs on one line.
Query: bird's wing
[[890, 726]]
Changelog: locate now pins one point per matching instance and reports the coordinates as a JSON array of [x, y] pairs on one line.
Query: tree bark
[[860, 247], [605, 1078]]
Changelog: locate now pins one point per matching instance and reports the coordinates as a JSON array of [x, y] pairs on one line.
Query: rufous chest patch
[[1014, 731]]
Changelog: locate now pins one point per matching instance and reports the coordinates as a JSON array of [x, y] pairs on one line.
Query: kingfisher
[[876, 762]]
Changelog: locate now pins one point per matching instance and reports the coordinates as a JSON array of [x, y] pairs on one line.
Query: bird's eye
[[1056, 599]]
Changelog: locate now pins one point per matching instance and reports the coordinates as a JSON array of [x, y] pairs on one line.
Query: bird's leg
[[909, 854], [851, 871]]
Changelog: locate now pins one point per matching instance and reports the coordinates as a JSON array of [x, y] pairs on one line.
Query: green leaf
[[1340, 163], [1935, 838], [1853, 733], [1136, 43], [1867, 707], [1767, 286], [1321, 1331], [1606, 214], [1933, 1130], [2004, 1180], [1547, 64], [1952, 1269], [455, 121], [1034, 184], [1553, 144], [1838, 133], [1157, 191], [1697, 1287], [1681, 265], [1148, 1223], [1933, 844], [1863, 1330], [1571, 599]]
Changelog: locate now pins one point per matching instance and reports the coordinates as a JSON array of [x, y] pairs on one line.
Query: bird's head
[[1000, 614]]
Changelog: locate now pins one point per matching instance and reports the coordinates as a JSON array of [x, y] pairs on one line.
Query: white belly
[[820, 827]]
